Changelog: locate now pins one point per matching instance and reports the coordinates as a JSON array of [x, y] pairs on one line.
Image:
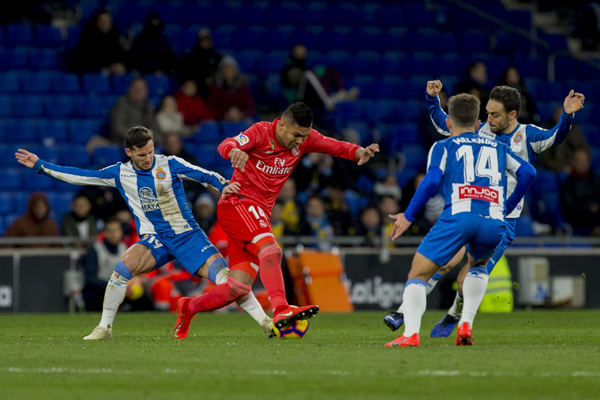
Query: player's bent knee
[[244, 272], [237, 289], [272, 249]]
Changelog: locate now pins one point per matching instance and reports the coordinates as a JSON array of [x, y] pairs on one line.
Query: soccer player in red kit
[[263, 156]]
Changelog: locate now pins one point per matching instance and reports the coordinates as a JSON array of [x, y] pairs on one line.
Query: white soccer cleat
[[267, 327], [99, 333]]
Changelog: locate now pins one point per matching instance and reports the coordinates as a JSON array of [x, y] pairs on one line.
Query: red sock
[[272, 277], [219, 296]]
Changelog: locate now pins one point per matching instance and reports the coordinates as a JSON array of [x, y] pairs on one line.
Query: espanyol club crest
[[518, 137], [295, 151], [160, 174]]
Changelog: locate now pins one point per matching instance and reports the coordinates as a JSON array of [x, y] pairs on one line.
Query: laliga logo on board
[[518, 137], [478, 193], [160, 174]]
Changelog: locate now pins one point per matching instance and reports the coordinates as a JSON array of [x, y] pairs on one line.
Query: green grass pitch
[[524, 355]]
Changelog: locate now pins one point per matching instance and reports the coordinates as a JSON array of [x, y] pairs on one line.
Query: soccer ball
[[295, 331]]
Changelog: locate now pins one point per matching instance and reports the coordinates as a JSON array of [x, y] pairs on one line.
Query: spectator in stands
[[173, 146], [98, 48], [276, 220], [201, 63], [426, 218], [580, 195], [322, 88], [369, 225], [315, 223], [388, 187], [292, 72], [130, 235], [558, 158], [133, 109], [106, 202], [429, 132], [314, 173], [348, 172], [229, 98], [388, 206], [205, 211], [291, 208], [98, 264], [476, 83], [588, 27], [36, 221], [338, 211], [191, 105], [151, 52], [512, 78], [169, 119], [80, 223]]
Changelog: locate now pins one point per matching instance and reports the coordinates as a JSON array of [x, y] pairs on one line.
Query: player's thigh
[[193, 250], [458, 257], [445, 239], [242, 264], [483, 246], [422, 268], [245, 221], [146, 255]]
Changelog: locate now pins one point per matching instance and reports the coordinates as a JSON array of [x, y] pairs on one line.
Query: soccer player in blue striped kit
[[471, 166], [153, 189], [525, 140]]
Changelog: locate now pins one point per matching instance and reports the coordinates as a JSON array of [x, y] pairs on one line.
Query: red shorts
[[248, 229]]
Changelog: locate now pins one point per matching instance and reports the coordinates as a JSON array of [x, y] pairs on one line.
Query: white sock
[[473, 292], [248, 302], [415, 303], [113, 297], [457, 306], [430, 285]]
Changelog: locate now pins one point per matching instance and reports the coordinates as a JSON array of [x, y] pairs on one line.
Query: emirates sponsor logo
[[478, 193], [261, 166]]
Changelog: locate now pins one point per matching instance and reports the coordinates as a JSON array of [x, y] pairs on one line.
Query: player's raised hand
[[238, 158], [26, 158], [232, 188], [365, 155], [573, 102], [400, 226], [434, 87]]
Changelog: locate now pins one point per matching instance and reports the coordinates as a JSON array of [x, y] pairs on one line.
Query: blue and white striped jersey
[[473, 167], [526, 140], [155, 197]]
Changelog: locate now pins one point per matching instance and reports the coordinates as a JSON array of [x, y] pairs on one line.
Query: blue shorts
[[507, 239], [191, 249], [481, 235]]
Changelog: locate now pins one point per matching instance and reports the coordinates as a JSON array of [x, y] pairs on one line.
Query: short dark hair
[[463, 109], [508, 96], [112, 220], [299, 114], [138, 136]]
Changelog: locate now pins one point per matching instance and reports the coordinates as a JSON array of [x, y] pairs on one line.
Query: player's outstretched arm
[[76, 176], [364, 155], [573, 102], [438, 116]]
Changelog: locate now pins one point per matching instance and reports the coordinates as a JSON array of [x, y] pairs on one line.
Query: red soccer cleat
[[464, 335], [182, 325], [403, 341], [292, 313]]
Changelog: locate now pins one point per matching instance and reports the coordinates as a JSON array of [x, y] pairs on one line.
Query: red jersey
[[270, 164]]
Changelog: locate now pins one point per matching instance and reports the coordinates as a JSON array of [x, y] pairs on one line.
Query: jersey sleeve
[[185, 170], [318, 143], [78, 176], [245, 141], [437, 115], [438, 155], [542, 139]]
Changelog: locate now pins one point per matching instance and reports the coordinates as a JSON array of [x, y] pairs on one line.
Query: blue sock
[[479, 270], [122, 270], [217, 266], [437, 276]]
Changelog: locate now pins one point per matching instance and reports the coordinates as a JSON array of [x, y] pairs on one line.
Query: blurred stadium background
[[60, 110]]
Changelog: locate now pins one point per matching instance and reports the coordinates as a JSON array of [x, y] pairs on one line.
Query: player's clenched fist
[[573, 102], [365, 154], [434, 87], [238, 159], [232, 188], [26, 158]]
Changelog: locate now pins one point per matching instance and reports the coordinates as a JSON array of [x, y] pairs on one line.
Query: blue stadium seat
[[366, 84], [63, 82], [222, 36], [591, 132], [447, 64], [7, 155], [248, 59], [9, 82], [445, 42], [158, 85], [358, 40], [80, 131], [60, 106], [415, 156], [411, 110], [12, 180], [128, 14], [391, 17], [311, 15], [190, 14], [166, 11], [348, 111], [337, 58], [52, 128], [275, 39], [405, 176], [404, 134], [303, 36], [31, 180], [6, 203], [16, 58], [596, 159], [209, 132], [381, 110], [474, 41], [362, 127], [21, 130], [50, 154], [5, 106], [120, 83], [2, 223], [418, 16], [523, 227], [96, 83], [107, 155], [244, 38], [3, 131], [389, 64], [47, 35], [231, 129], [418, 40], [37, 82], [10, 219], [46, 59], [18, 34], [206, 155], [91, 107], [422, 63], [273, 62], [73, 34], [250, 14], [74, 155], [337, 15], [63, 201], [545, 181]]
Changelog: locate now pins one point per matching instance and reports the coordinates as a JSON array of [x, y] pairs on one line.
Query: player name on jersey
[[459, 140]]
